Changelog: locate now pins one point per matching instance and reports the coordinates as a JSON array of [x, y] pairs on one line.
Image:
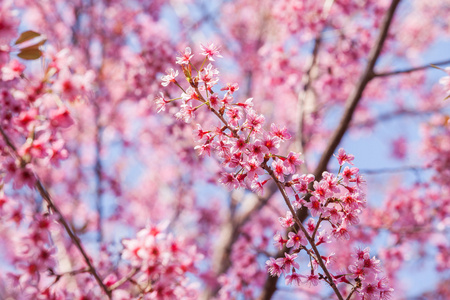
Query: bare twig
[[98, 172], [404, 71], [392, 170], [357, 92], [394, 114], [305, 93]]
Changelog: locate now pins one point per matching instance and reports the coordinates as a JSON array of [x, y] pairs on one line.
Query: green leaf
[[26, 36], [30, 54]]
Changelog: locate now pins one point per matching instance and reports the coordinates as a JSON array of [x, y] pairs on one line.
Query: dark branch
[[357, 92], [445, 62], [351, 103]]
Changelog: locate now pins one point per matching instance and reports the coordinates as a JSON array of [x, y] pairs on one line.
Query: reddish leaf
[[30, 54], [26, 36]]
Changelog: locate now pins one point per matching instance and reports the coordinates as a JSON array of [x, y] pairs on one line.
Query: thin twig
[[394, 114], [98, 172], [404, 71], [305, 92], [392, 170]]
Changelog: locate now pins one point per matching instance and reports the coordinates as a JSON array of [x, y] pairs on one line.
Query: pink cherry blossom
[[296, 240], [287, 221], [185, 58], [344, 157], [170, 77], [210, 51]]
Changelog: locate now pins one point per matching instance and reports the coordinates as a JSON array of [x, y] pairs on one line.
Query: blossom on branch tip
[[272, 143], [258, 187], [210, 51], [312, 279], [170, 77], [12, 70], [161, 102], [293, 278], [254, 121], [314, 206], [185, 58], [343, 157], [230, 88], [348, 173], [61, 118], [289, 262]]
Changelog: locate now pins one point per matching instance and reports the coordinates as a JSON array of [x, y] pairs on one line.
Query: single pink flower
[[296, 240], [185, 58], [210, 51], [170, 77], [288, 221], [293, 278], [274, 266], [343, 157]]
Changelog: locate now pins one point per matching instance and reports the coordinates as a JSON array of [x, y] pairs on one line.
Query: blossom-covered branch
[[248, 153]]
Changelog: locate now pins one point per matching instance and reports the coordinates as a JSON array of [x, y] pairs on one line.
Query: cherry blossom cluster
[[161, 263], [336, 201], [34, 114], [246, 150], [35, 255], [250, 158]]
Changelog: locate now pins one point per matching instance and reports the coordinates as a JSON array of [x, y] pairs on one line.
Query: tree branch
[[305, 92], [392, 170], [384, 74], [351, 103], [46, 196], [98, 172], [308, 237], [356, 95]]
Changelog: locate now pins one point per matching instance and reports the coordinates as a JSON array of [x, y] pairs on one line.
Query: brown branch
[[404, 71], [308, 237], [351, 103], [46, 196], [357, 92], [305, 92], [395, 114], [98, 172]]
